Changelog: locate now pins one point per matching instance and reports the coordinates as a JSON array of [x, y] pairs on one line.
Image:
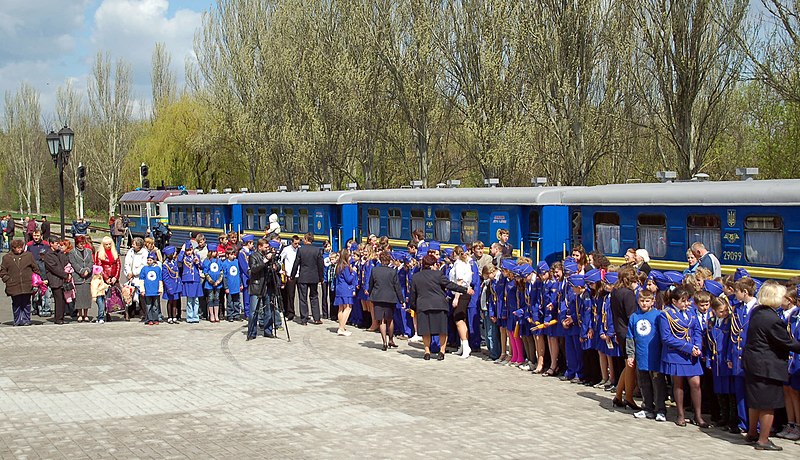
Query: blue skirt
[[602, 347], [589, 344], [168, 296], [557, 330], [682, 370], [723, 385], [343, 300], [192, 289]]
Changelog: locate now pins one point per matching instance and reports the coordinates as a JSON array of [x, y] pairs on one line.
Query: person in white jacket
[[461, 274], [135, 260]]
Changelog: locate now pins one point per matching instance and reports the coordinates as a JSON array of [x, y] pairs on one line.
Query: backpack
[[114, 301]]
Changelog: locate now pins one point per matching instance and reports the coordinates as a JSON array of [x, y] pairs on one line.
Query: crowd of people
[[633, 331]]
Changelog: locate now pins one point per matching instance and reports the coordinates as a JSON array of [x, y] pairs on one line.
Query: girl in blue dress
[[608, 346], [191, 282], [681, 351], [718, 341], [345, 281], [171, 277], [555, 289]]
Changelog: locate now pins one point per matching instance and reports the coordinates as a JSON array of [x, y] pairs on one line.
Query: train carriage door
[[534, 234], [577, 226]]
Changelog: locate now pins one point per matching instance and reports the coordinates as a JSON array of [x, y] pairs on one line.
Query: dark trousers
[[308, 290], [261, 312], [21, 306], [288, 292], [591, 366], [710, 403], [58, 299], [203, 307], [654, 391], [326, 306], [727, 408]]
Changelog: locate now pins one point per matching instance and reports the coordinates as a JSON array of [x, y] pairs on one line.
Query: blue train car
[[534, 216], [751, 223], [139, 205], [326, 214], [209, 214]]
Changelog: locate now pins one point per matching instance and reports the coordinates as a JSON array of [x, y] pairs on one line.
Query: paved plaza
[[124, 390]]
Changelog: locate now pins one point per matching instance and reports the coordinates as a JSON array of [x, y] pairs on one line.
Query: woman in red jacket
[[108, 258]]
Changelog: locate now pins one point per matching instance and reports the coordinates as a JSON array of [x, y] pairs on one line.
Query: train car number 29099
[[731, 255]]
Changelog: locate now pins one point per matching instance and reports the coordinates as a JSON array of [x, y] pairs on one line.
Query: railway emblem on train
[[732, 218], [731, 237]]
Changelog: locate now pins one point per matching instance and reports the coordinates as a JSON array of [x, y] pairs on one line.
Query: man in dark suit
[[308, 268], [55, 260], [45, 227]]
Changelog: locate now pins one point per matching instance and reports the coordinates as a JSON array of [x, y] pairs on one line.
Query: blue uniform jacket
[[568, 307], [244, 266], [794, 330], [231, 279], [718, 340], [676, 347], [151, 275], [190, 268], [740, 320], [170, 275], [494, 303], [509, 303], [585, 306], [346, 282], [212, 269]]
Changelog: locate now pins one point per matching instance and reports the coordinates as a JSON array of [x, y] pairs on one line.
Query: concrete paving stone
[[124, 391]]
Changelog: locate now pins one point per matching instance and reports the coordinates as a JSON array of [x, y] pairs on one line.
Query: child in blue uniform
[[787, 313], [191, 282], [506, 283], [232, 284], [171, 278], [643, 346], [536, 319], [745, 291], [345, 282], [151, 279], [718, 342], [609, 345], [554, 291], [491, 277], [589, 319], [212, 271], [570, 320], [682, 346]]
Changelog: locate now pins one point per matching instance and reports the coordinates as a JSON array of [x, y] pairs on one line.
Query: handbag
[[114, 300]]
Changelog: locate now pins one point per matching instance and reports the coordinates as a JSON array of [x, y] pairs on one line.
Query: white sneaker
[[466, 352], [344, 333], [794, 434], [640, 414], [458, 352], [661, 418], [525, 367], [101, 321], [416, 338]]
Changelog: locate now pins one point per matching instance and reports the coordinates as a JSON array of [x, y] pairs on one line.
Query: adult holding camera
[[262, 268]]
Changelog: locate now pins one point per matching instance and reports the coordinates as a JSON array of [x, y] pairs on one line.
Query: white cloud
[[129, 29], [31, 30]]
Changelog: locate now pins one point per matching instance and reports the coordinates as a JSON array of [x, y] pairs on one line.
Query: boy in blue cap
[[212, 271], [151, 277], [191, 281], [171, 279]]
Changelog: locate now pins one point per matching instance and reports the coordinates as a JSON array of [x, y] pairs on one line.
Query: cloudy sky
[[47, 42]]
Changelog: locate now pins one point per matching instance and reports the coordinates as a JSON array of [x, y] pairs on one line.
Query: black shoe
[[249, 338], [427, 357], [632, 406], [768, 446], [304, 323], [735, 430], [617, 402], [392, 345], [385, 347], [440, 357], [269, 336]]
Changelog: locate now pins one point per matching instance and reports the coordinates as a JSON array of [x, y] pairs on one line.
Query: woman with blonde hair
[[108, 258]]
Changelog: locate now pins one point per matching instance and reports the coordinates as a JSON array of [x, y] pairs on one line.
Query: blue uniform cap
[[662, 282], [169, 250], [674, 277], [188, 245], [354, 247], [542, 267], [612, 277], [714, 288], [570, 266], [274, 244], [152, 255], [740, 273], [758, 285], [593, 276], [212, 247], [576, 281], [434, 246], [447, 252], [525, 270], [508, 264], [247, 238], [653, 273]]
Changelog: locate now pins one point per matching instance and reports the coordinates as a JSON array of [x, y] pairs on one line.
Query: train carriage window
[[173, 217], [207, 217], [706, 229], [606, 232], [374, 221], [395, 223], [577, 228], [143, 210], [652, 232], [262, 218], [763, 240], [217, 218], [469, 227], [534, 226], [417, 220], [288, 219], [182, 216], [303, 220], [441, 228], [198, 217], [249, 218]]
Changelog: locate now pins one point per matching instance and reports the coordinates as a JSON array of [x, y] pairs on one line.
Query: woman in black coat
[[428, 301], [384, 292], [765, 363]]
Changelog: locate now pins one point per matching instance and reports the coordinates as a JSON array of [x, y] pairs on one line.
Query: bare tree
[[26, 151], [70, 111], [162, 79], [690, 51], [776, 56], [110, 113]]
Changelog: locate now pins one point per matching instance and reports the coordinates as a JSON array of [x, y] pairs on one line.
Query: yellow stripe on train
[[757, 272]]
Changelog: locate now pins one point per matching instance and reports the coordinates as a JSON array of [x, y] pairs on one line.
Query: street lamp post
[[60, 146]]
